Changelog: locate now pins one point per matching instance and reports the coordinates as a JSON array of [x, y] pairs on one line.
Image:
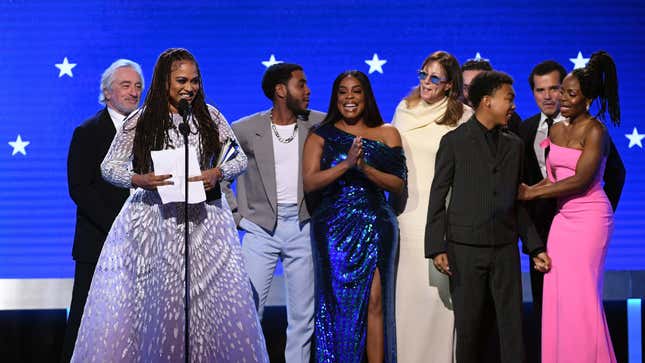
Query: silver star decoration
[[18, 146], [65, 68], [635, 138], [478, 57], [579, 61], [376, 64], [271, 61]]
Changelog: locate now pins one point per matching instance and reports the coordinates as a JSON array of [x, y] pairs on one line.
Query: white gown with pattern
[[135, 307]]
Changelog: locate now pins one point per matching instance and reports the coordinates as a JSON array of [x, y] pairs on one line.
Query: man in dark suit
[[97, 202], [469, 70], [474, 239], [545, 80]]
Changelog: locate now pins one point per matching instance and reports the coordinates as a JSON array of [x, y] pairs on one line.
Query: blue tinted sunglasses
[[422, 75]]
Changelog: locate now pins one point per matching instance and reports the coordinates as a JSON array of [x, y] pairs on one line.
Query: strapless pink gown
[[574, 328]]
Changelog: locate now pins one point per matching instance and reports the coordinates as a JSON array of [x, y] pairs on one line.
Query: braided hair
[[599, 81], [151, 132]]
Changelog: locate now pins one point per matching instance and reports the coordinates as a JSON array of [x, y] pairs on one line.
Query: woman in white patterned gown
[[135, 307], [424, 316]]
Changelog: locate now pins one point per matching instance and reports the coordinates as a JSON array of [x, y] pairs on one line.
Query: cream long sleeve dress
[[424, 315]]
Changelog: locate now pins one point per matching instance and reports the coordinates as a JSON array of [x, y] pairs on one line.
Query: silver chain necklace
[[277, 134]]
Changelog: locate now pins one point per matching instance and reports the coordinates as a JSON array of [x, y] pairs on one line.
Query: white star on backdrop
[[65, 68], [635, 138], [478, 57], [376, 64], [579, 61], [18, 146], [271, 61]]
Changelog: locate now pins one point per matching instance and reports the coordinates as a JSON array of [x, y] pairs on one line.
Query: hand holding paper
[[150, 181], [209, 177], [172, 162]]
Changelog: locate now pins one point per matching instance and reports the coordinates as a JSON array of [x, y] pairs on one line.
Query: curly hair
[[485, 84], [279, 73]]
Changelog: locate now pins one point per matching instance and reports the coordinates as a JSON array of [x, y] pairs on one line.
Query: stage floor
[[37, 335]]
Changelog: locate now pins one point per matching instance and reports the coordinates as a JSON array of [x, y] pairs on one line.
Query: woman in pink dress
[[574, 328]]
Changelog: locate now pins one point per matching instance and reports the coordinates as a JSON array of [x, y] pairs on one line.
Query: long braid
[[599, 81]]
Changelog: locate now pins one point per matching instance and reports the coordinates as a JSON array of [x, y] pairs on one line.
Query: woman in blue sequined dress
[[350, 160]]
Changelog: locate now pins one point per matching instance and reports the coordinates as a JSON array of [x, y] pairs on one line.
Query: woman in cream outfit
[[424, 316]]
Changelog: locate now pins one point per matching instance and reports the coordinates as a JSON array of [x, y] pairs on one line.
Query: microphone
[[185, 110]]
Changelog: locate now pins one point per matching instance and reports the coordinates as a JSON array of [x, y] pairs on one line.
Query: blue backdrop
[[42, 103]]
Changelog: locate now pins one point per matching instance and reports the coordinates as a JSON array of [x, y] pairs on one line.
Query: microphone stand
[[184, 129]]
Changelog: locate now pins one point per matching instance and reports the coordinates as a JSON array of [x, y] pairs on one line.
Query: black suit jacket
[[97, 201], [542, 211], [514, 123], [483, 210]]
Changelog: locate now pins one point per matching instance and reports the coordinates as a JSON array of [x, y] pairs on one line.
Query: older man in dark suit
[[97, 201], [474, 239]]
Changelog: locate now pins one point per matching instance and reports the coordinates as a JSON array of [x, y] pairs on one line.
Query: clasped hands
[[526, 192], [150, 181], [355, 153], [542, 263]]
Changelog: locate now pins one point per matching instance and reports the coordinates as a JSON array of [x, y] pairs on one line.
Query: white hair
[[108, 75]]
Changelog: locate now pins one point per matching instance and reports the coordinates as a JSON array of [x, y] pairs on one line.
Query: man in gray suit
[[270, 203]]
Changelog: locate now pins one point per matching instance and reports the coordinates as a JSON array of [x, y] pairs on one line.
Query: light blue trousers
[[292, 246]]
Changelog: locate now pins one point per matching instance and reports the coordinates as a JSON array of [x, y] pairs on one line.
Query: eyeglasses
[[422, 75]]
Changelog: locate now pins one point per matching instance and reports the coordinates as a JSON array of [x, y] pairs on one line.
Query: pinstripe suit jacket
[[482, 188]]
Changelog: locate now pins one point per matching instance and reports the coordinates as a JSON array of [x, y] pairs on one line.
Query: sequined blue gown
[[135, 307], [354, 232]]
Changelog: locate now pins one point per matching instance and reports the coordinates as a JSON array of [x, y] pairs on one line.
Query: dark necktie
[[549, 123]]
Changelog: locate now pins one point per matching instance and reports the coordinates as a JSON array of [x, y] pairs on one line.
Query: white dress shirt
[[117, 118], [540, 135]]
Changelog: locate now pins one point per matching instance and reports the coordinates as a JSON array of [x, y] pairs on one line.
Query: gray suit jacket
[[256, 189]]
